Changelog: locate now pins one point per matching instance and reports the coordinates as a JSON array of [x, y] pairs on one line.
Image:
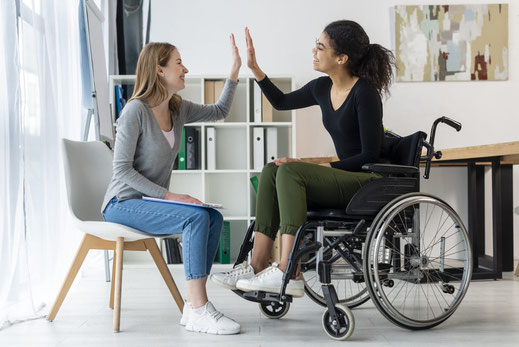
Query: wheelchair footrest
[[259, 296]]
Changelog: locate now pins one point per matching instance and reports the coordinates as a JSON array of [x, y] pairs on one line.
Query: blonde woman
[[147, 143]]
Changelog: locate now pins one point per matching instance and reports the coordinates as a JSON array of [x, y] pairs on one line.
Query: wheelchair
[[407, 251]]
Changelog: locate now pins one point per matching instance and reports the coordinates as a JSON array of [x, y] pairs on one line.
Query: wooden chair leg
[[151, 245], [112, 285], [72, 272], [517, 270], [119, 249]]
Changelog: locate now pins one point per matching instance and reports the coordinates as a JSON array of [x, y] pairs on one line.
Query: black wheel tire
[[343, 328], [274, 310]]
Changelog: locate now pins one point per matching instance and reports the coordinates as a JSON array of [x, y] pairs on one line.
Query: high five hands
[[236, 60], [251, 57]]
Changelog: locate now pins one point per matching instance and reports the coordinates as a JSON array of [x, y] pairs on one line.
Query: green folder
[[224, 247], [254, 182], [182, 152]]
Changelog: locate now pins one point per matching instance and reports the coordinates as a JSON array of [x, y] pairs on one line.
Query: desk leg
[[476, 209], [499, 175], [507, 217]]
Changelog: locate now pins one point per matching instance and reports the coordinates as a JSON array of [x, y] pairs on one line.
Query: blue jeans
[[200, 228]]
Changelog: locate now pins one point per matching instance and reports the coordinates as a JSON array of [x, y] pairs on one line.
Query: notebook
[[205, 204]]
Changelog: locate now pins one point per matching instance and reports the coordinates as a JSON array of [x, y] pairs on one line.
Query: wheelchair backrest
[[370, 199], [403, 150]]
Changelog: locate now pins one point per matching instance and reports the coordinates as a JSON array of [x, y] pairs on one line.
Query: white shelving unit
[[230, 183]]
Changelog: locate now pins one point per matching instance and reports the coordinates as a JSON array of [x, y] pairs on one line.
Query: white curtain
[[40, 104]]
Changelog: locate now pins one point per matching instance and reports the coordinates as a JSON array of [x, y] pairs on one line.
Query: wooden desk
[[500, 157]]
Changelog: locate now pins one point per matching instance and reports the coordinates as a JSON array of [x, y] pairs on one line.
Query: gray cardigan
[[143, 157]]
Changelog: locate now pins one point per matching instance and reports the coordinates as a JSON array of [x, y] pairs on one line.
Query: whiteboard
[[94, 24]]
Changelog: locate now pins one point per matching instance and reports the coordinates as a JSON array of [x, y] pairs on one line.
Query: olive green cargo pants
[[286, 192]]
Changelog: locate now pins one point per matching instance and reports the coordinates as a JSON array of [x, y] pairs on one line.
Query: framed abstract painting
[[451, 42]]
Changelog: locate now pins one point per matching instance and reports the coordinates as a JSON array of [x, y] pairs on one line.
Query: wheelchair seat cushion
[[326, 214]]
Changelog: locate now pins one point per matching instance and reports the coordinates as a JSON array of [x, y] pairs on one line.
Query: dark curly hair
[[365, 60]]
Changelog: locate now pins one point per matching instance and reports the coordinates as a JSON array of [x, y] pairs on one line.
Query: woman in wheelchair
[[358, 73]]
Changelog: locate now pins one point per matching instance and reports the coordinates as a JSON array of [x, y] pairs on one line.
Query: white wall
[[284, 32]]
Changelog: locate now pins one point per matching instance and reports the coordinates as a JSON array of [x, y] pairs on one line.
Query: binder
[[257, 103], [254, 181], [120, 102], [192, 148], [266, 110], [259, 148], [182, 152], [209, 92], [173, 251], [211, 148], [272, 144], [224, 246], [218, 89]]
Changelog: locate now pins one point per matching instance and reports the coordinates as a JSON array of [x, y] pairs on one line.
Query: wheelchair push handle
[[451, 122], [430, 145]]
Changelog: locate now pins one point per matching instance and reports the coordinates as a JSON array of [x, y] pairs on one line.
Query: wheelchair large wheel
[[350, 293], [418, 261]]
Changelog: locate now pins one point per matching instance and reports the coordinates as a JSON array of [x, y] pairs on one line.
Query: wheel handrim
[[423, 264]]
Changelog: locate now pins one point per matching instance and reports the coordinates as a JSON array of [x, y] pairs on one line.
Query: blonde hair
[[148, 85]]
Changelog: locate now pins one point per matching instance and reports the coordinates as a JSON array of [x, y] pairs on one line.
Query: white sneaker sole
[[213, 331], [296, 293], [223, 284]]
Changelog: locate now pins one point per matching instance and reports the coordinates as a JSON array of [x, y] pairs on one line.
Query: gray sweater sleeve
[[128, 131], [209, 113]]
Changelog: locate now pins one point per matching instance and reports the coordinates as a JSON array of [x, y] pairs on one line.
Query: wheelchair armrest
[[390, 169]]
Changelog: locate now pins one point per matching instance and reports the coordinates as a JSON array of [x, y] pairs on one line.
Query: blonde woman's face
[[174, 72]]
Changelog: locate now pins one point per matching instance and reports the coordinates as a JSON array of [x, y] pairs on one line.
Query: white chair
[[88, 170]]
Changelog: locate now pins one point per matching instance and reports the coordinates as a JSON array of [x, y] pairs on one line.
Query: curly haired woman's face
[[174, 72], [325, 58]]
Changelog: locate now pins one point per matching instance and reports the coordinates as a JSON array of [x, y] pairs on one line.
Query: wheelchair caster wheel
[[389, 283], [274, 309], [341, 328], [448, 289]]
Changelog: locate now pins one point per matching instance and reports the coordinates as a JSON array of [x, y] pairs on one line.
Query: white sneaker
[[269, 280], [186, 313], [211, 321], [228, 279]]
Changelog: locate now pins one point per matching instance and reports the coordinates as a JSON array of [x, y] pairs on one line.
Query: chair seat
[[111, 231], [326, 213]]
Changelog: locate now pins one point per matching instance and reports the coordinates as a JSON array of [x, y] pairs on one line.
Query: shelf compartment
[[284, 144], [228, 189], [193, 90], [226, 142], [187, 184]]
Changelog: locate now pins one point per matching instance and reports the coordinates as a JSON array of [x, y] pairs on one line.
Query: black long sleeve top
[[355, 127]]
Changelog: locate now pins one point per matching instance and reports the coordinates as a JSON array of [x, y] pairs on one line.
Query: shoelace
[[267, 270], [240, 269], [216, 315]]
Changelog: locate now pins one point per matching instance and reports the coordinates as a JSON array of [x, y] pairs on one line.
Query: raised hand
[[251, 57], [236, 60]]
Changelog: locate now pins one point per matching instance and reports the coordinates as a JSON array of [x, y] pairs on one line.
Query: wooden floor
[[489, 315]]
